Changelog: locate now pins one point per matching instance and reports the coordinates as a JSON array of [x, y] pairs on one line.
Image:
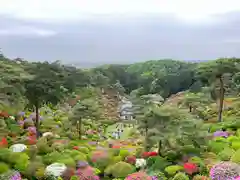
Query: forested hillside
[[60, 122]]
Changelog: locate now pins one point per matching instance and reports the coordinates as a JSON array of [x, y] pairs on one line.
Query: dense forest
[[55, 120]]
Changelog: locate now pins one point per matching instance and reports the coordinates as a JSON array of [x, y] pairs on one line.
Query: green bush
[[51, 157], [216, 147], [58, 147], [116, 159], [172, 155], [43, 147], [3, 168], [22, 162], [216, 127], [40, 173], [226, 154], [196, 160], [232, 138], [32, 151], [84, 150], [151, 160], [220, 139], [172, 170], [124, 153], [33, 168], [139, 151], [115, 152], [76, 155], [160, 163], [122, 169], [236, 157], [102, 163], [67, 160], [190, 149], [181, 176], [13, 157], [236, 145], [4, 154], [74, 177], [238, 133]]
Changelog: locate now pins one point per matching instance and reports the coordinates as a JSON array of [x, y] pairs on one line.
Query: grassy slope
[[124, 135]]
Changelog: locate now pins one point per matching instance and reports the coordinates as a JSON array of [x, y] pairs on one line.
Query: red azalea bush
[[68, 173], [4, 142], [131, 159], [116, 147], [86, 173], [75, 147], [190, 168], [149, 154], [31, 140], [138, 175], [98, 155], [4, 114]]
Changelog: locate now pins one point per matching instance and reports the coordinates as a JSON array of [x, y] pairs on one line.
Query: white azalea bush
[[47, 134], [55, 169], [140, 163], [18, 148]]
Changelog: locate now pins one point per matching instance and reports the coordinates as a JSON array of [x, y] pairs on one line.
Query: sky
[[94, 32]]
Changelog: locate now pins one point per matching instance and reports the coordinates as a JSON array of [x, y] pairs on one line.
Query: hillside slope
[[109, 104]]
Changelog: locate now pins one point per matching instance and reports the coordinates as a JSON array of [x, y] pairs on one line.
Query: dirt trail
[[109, 104]]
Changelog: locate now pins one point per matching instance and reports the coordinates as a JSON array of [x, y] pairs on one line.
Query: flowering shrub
[[220, 134], [4, 114], [140, 163], [225, 170], [16, 176], [173, 169], [181, 176], [149, 154], [31, 140], [130, 159], [55, 169], [32, 130], [18, 147], [4, 142], [86, 173], [138, 175], [98, 155], [190, 168], [121, 169], [75, 147]]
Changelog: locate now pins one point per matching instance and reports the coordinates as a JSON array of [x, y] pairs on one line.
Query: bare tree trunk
[[146, 138], [80, 129], [221, 99], [159, 147], [190, 108], [37, 119]]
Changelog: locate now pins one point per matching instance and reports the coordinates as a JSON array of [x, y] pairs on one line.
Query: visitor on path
[[115, 135]]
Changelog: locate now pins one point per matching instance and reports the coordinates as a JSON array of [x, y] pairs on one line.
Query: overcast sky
[[93, 32]]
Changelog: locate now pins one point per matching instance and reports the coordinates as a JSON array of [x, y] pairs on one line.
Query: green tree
[[193, 100], [118, 86], [214, 71], [83, 110], [45, 87], [165, 124]]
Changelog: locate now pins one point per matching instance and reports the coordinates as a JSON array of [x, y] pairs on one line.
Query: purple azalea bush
[[21, 113], [32, 129], [220, 134], [225, 171], [16, 176]]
